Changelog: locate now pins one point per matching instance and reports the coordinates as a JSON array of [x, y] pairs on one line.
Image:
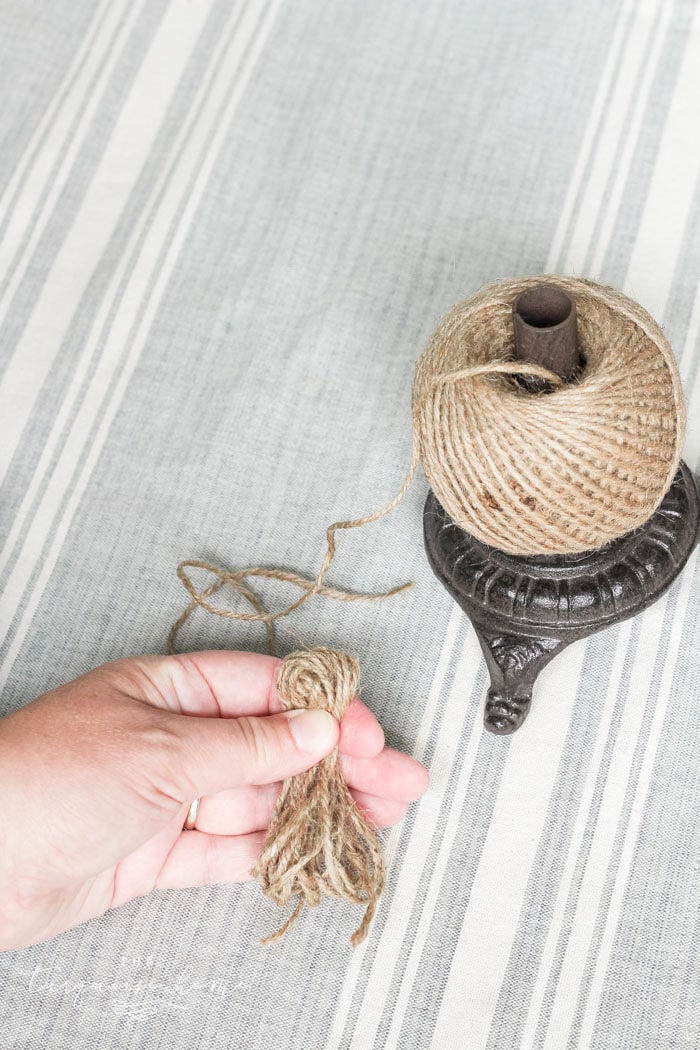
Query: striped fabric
[[228, 229]]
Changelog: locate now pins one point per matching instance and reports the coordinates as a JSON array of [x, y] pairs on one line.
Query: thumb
[[220, 753]]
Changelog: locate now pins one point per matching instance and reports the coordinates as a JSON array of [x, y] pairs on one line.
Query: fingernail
[[313, 731]]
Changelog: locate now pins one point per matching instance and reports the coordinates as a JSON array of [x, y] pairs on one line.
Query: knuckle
[[212, 861], [258, 743]]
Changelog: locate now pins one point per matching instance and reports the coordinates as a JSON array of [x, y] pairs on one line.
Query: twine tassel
[[318, 842]]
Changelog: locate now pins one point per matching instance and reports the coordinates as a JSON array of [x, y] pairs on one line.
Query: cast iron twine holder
[[526, 609]]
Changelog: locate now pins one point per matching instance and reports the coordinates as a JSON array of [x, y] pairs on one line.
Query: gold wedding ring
[[191, 818]]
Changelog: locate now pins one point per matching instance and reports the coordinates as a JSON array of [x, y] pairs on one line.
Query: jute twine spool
[[558, 472], [318, 841]]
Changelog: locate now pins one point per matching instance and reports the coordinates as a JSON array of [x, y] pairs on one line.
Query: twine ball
[[549, 473]]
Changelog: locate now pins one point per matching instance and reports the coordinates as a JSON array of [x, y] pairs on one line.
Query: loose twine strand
[[318, 841]]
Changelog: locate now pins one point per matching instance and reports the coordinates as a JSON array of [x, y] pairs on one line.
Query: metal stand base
[[527, 609]]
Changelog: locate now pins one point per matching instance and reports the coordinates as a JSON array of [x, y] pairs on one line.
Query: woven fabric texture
[[228, 231]]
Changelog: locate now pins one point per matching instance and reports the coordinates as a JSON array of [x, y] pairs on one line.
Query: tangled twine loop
[[235, 580], [318, 841]]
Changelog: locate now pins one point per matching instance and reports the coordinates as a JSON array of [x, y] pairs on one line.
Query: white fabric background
[[228, 229]]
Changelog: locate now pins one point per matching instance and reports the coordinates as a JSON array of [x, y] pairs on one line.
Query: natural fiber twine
[[546, 473], [531, 473], [318, 841], [555, 472]]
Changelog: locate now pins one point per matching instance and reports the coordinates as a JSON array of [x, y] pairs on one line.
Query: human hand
[[96, 779]]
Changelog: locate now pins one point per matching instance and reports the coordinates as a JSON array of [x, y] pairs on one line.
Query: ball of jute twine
[[319, 842], [558, 472]]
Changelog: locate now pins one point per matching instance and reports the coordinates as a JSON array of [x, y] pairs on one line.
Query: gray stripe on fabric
[[684, 304], [656, 956], [38, 267], [105, 197], [624, 811], [472, 711], [591, 822], [470, 831], [51, 176], [613, 122], [162, 160], [639, 100], [48, 57], [582, 859], [31, 134], [51, 397], [665, 215], [448, 721], [454, 892], [551, 853], [651, 132], [633, 26], [642, 743]]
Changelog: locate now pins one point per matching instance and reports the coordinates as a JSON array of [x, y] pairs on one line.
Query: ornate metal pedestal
[[525, 610]]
